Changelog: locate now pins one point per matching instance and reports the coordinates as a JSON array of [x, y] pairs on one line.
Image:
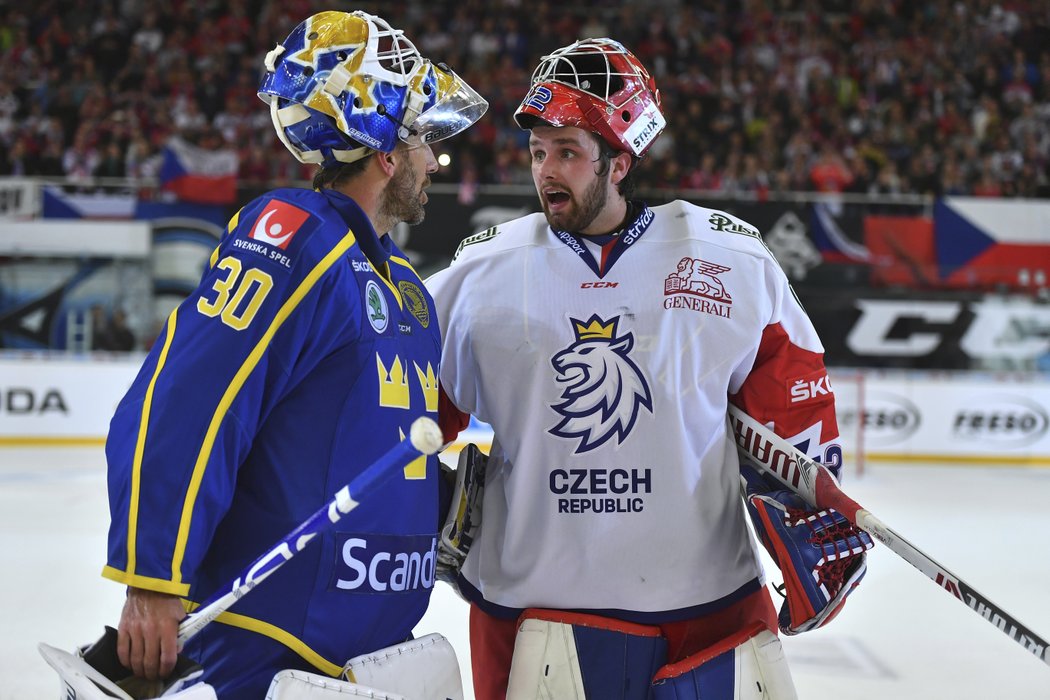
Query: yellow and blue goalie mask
[[343, 85]]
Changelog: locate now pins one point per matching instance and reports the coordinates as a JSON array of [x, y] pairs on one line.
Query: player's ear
[[620, 165], [387, 162]]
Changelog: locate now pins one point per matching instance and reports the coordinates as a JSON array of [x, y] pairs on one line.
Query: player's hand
[[147, 637]]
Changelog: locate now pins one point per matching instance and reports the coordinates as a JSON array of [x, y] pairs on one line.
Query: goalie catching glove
[[463, 487], [821, 555]]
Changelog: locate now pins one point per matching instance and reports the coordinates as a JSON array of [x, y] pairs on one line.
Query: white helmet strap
[[293, 114], [271, 58]]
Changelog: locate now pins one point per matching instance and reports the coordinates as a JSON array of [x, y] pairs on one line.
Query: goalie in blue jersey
[[306, 352]]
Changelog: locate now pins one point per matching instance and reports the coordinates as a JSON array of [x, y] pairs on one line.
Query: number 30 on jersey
[[237, 298]]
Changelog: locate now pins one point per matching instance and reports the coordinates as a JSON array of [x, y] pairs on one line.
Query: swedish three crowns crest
[[603, 389]]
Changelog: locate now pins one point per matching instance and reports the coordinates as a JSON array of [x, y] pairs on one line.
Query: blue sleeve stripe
[[234, 388]]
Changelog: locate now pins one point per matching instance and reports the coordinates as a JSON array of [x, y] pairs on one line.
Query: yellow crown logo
[[417, 468], [594, 329], [429, 383], [393, 384]]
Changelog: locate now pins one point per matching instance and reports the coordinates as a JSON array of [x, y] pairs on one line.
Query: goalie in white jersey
[[603, 341]]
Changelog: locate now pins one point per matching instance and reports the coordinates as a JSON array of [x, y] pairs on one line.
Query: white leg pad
[[575, 656], [545, 665], [302, 685], [420, 669], [753, 669]]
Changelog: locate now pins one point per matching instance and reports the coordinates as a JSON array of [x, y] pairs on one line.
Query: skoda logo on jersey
[[375, 307], [604, 390]]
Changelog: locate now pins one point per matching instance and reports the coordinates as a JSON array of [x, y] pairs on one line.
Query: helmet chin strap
[[598, 123], [271, 58]]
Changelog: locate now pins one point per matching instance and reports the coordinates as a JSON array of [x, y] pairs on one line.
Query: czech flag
[[198, 175], [983, 242]]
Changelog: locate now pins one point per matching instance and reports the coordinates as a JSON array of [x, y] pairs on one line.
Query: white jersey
[[605, 372]]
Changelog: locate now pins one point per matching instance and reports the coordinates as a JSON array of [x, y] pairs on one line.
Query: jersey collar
[[612, 248], [375, 248]]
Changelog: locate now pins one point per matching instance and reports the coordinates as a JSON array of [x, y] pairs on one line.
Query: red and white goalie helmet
[[596, 85]]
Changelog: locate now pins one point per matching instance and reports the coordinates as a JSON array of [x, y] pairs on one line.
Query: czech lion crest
[[603, 390]]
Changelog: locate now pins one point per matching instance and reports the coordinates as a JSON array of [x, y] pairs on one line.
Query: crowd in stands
[[761, 96]]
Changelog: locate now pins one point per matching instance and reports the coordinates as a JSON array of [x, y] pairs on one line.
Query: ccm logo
[[804, 390], [599, 285]]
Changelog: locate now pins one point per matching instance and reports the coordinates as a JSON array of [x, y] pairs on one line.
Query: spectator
[[830, 172], [110, 333], [111, 163], [149, 36], [80, 159], [878, 80]]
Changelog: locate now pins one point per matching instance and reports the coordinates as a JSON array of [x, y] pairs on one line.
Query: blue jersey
[[306, 352]]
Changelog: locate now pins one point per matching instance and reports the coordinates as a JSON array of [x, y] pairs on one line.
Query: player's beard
[[403, 196], [579, 216]]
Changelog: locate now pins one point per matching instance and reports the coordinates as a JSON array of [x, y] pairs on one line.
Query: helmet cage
[[600, 86]]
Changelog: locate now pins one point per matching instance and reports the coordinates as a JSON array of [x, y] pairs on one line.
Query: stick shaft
[[815, 484], [421, 441]]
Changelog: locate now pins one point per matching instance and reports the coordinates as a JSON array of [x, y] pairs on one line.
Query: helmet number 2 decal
[[539, 98]]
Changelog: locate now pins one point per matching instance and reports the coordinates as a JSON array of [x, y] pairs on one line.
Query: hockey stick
[[424, 438], [816, 485]]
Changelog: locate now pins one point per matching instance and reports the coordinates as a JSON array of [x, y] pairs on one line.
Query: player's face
[[404, 198], [565, 162]]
